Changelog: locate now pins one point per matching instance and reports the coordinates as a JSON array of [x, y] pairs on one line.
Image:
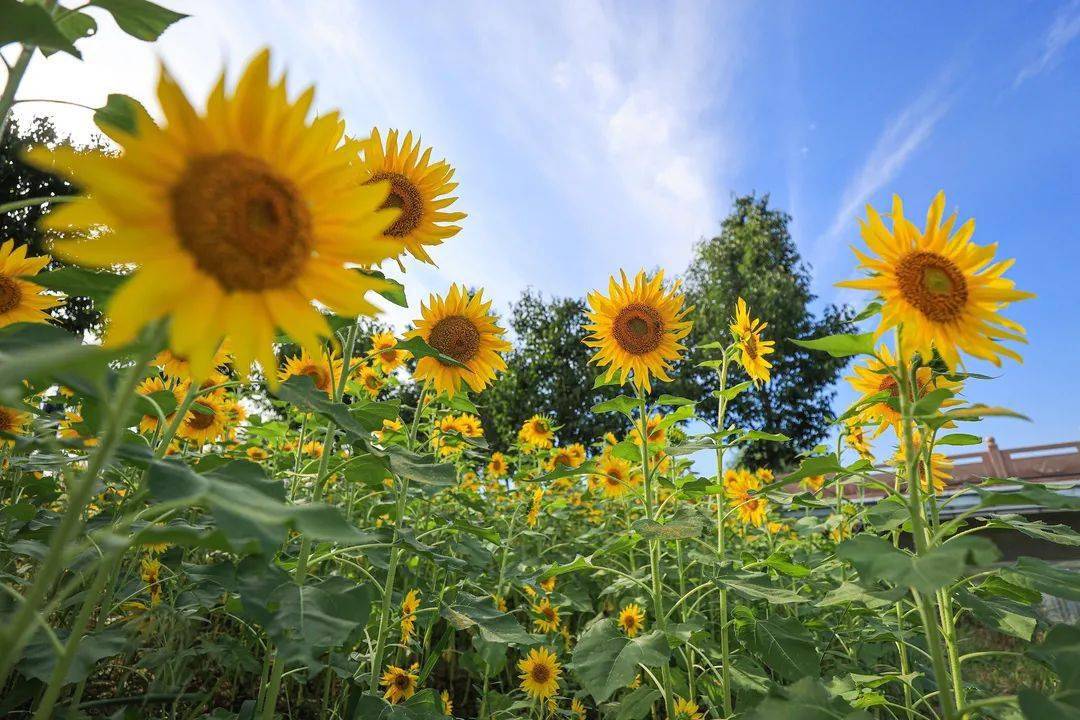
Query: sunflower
[[447, 704], [944, 290], [409, 605], [497, 467], [256, 453], [540, 673], [548, 584], [206, 421], [20, 299], [751, 510], [12, 422], [814, 483], [874, 378], [569, 456], [73, 427], [941, 466], [150, 572], [577, 709], [534, 511], [324, 372], [312, 448], [150, 421], [370, 380], [855, 437], [637, 329], [179, 368], [237, 220], [461, 327], [631, 619], [400, 684], [537, 432], [418, 188], [614, 476], [384, 348], [653, 429], [547, 616], [468, 425], [686, 710], [752, 349]]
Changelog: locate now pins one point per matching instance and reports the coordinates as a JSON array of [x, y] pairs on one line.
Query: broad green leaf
[[480, 612], [393, 290], [841, 345], [310, 620], [637, 704], [1005, 616], [1060, 649], [680, 527], [978, 412], [300, 390], [958, 439], [579, 563], [140, 19], [1060, 534], [813, 466], [876, 559], [605, 660], [31, 24], [39, 657], [122, 113], [674, 400], [1036, 706], [758, 586], [1027, 494], [621, 404], [752, 435], [562, 471], [733, 391], [1040, 575], [783, 644], [784, 566], [424, 705], [421, 468], [807, 699]]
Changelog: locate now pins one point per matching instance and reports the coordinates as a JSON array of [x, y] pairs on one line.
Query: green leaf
[[1027, 494], [978, 412], [480, 612], [758, 586], [1060, 534], [140, 19], [77, 281], [752, 435], [682, 526], [394, 291], [783, 644], [784, 566], [31, 24], [816, 465], [300, 390], [39, 657], [312, 619], [1005, 616], [562, 471], [1036, 706], [1040, 575], [958, 439], [929, 404], [841, 345], [807, 699], [674, 401], [122, 113], [421, 468], [605, 660], [621, 404], [556, 569], [637, 704], [876, 559], [1060, 649], [41, 353], [75, 26], [733, 391]]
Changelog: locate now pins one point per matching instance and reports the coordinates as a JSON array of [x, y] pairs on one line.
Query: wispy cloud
[[1062, 31], [899, 140]]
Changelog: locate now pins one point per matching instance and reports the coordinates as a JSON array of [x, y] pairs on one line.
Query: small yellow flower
[[383, 346], [540, 673], [752, 349], [257, 453], [447, 704], [686, 710], [547, 616], [400, 684], [631, 619], [409, 606], [497, 467]]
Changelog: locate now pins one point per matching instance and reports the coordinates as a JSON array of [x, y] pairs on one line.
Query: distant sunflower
[[256, 453], [447, 704], [409, 605], [370, 380], [614, 476], [750, 509], [577, 709], [20, 299], [873, 378], [687, 710], [855, 437], [941, 467], [546, 616], [752, 349], [206, 421], [942, 288], [149, 421], [462, 327], [324, 372], [537, 432], [631, 619], [652, 428], [177, 367], [636, 329], [469, 425], [497, 467], [418, 188], [383, 346], [400, 684], [568, 456], [12, 422], [540, 673], [237, 219], [313, 448]]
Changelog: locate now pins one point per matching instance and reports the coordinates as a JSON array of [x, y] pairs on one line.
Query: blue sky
[[592, 136]]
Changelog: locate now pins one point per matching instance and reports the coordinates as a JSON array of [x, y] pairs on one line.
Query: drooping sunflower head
[[384, 347], [631, 619], [855, 438], [409, 605], [324, 371], [537, 432], [636, 329], [20, 299], [461, 327], [942, 289], [400, 684], [540, 673], [237, 219], [418, 190]]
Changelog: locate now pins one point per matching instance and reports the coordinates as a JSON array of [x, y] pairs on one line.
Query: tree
[[20, 181], [547, 372], [755, 258]]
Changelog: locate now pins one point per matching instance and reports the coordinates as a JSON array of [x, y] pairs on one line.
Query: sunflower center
[[10, 294], [455, 336], [540, 674], [750, 346], [889, 384], [7, 421], [401, 681], [404, 196], [638, 329], [548, 613], [200, 420], [933, 284], [243, 224]]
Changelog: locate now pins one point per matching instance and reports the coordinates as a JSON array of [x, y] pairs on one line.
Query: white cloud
[[1062, 31]]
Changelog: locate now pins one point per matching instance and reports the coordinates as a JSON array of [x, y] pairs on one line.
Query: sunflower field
[[223, 506]]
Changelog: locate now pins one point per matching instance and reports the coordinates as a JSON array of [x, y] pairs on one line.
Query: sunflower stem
[[721, 502]]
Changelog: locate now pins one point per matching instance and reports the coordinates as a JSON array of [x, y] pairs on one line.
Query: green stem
[[388, 589], [721, 502], [11, 86]]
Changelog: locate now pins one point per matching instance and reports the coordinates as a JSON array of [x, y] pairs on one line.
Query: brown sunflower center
[[933, 284], [243, 224], [750, 346], [402, 681], [202, 416], [638, 329], [320, 377], [889, 384], [10, 294], [404, 196], [7, 420], [540, 673], [629, 621], [455, 336], [548, 613]]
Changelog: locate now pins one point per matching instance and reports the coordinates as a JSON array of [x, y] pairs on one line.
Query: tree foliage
[[548, 372], [755, 258]]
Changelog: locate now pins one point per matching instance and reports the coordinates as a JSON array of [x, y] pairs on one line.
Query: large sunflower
[[942, 288], [540, 673], [462, 327], [418, 188], [20, 299], [636, 328], [236, 219], [874, 378]]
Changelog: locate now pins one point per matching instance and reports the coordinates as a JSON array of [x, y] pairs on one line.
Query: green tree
[[20, 181], [755, 258], [547, 372]]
